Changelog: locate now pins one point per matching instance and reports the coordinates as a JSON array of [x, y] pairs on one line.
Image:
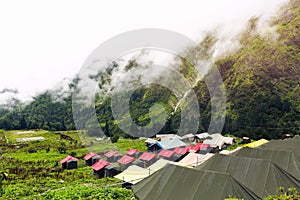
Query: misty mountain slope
[[261, 79]]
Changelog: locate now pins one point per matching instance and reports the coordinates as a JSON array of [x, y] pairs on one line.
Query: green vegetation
[[32, 170], [263, 94], [261, 81]]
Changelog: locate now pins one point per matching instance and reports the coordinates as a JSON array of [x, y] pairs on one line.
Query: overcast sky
[[41, 42]]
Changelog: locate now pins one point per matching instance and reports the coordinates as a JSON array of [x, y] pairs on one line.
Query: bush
[[32, 150]]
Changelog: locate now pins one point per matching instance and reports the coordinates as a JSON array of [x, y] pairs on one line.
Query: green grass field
[[33, 171]]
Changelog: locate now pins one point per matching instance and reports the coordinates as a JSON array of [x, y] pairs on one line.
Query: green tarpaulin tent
[[176, 182], [288, 144], [261, 176], [287, 160]]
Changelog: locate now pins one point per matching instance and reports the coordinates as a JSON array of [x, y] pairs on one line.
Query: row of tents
[[170, 141], [112, 162], [249, 173]]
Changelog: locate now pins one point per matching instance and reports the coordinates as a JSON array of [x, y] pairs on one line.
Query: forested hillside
[[262, 82]]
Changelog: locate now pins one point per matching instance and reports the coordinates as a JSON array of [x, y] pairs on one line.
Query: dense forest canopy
[[262, 82]]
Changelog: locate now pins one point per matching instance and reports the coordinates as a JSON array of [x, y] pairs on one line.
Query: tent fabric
[[166, 153], [288, 144], [139, 163], [150, 141], [131, 151], [195, 159], [190, 135], [133, 174], [287, 160], [110, 154], [89, 156], [180, 150], [203, 136], [197, 147], [171, 144], [228, 152], [68, 158], [163, 137], [218, 140], [256, 143], [296, 137], [126, 160], [175, 182], [161, 163], [262, 177], [146, 156], [100, 165]]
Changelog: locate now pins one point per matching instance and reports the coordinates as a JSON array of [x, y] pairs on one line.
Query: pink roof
[[100, 165], [202, 146], [131, 151], [199, 146], [68, 158], [89, 156], [147, 156], [166, 153], [125, 160], [190, 147], [110, 154], [180, 151]]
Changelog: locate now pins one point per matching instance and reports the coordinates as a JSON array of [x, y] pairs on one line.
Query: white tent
[[133, 174], [218, 140], [171, 144], [195, 159], [203, 136]]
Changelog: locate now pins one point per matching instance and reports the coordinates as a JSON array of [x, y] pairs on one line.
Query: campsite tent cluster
[[176, 170], [249, 173], [169, 149]]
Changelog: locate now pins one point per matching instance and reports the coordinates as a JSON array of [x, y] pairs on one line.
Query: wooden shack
[[89, 159], [69, 162]]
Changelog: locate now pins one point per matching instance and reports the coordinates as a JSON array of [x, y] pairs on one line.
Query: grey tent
[[176, 182], [287, 160], [261, 176]]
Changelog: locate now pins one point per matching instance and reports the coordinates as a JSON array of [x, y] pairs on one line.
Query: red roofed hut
[[111, 170], [180, 152], [99, 168], [69, 162], [110, 156], [167, 154], [134, 153], [89, 159], [125, 162], [200, 148], [148, 158]]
